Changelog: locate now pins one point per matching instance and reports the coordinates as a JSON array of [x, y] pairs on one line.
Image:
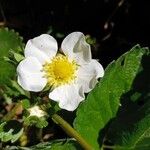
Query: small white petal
[[68, 96], [43, 47], [30, 77], [76, 48], [36, 111], [88, 75]]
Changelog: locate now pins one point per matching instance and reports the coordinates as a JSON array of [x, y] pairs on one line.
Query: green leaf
[[18, 57], [25, 103], [17, 87], [10, 131], [101, 105], [7, 71], [72, 145], [11, 91], [61, 144], [9, 41], [39, 122], [16, 136], [143, 144], [131, 128]]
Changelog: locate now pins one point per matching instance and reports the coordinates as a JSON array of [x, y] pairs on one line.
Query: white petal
[[68, 96], [30, 77], [43, 47], [76, 47], [36, 111], [88, 75]]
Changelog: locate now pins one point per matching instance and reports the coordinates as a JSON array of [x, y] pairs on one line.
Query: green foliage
[[9, 133], [68, 145], [6, 72], [58, 145], [131, 130], [18, 57], [17, 88], [61, 144], [39, 122], [102, 104], [132, 124], [12, 90], [90, 40], [10, 42], [25, 103], [143, 144]]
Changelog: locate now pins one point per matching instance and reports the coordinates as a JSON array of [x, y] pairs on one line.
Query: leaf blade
[[103, 102]]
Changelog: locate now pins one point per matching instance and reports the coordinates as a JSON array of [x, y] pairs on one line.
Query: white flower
[[69, 73], [36, 111]]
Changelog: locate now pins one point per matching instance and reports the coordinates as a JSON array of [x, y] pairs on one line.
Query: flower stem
[[10, 115], [70, 131], [108, 147]]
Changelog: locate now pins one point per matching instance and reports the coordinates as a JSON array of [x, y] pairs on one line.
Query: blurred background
[[113, 26]]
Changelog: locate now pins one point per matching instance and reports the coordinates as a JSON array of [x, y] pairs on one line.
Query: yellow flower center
[[60, 71]]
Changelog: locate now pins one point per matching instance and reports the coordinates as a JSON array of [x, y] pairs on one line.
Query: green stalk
[[71, 132], [10, 115]]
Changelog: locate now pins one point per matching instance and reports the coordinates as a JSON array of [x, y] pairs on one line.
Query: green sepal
[[39, 122]]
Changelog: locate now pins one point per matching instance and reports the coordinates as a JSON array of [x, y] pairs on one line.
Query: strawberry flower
[[69, 73]]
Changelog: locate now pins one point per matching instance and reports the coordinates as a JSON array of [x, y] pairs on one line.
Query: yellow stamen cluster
[[60, 70]]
